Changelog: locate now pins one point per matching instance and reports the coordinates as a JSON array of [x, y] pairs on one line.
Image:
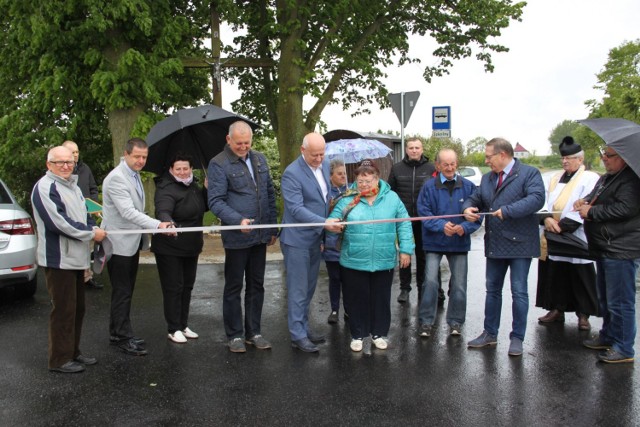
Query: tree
[[476, 145], [93, 71], [334, 51], [620, 82], [562, 130]]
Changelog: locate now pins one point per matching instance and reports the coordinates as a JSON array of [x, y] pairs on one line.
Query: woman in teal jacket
[[369, 254]]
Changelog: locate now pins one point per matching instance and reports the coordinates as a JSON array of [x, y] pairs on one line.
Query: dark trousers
[[405, 273], [122, 273], [177, 276], [247, 264], [66, 290], [335, 286], [368, 295]]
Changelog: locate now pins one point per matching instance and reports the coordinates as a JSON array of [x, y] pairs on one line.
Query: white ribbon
[[295, 225]]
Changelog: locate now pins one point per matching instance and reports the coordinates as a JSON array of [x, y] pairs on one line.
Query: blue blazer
[[520, 196], [303, 202]]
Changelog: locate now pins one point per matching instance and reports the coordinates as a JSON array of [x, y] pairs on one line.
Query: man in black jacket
[[89, 188], [611, 216], [407, 178]]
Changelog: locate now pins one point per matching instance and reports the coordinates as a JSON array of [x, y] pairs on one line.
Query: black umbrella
[[621, 135], [198, 131], [567, 245]]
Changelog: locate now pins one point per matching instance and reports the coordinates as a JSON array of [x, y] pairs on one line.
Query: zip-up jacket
[[64, 227], [407, 178], [372, 247], [435, 200], [234, 195]]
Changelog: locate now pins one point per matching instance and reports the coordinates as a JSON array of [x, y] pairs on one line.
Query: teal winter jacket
[[372, 247]]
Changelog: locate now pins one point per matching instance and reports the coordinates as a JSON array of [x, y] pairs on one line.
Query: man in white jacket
[[65, 231]]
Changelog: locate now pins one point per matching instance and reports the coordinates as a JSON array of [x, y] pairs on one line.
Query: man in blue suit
[[305, 190], [511, 194]]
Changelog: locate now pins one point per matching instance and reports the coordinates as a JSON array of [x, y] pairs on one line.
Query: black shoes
[[333, 318], [403, 297], [86, 360], [132, 346], [71, 367], [316, 339], [113, 340], [93, 284], [305, 345]]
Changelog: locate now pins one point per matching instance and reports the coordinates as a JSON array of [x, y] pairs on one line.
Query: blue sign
[[441, 118]]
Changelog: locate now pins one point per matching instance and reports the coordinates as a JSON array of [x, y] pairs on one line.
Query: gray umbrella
[[200, 132], [621, 135]]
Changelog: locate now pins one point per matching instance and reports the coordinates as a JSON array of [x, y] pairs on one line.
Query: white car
[[472, 173], [18, 245]]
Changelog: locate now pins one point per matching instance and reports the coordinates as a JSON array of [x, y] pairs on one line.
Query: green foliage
[[550, 162], [269, 147], [562, 130], [65, 65], [334, 52], [620, 81], [476, 145]]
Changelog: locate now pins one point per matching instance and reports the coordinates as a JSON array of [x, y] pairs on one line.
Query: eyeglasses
[[363, 182], [569, 157], [608, 155], [489, 156], [60, 163]]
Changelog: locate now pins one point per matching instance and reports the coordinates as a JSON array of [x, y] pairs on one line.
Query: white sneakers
[[189, 334], [356, 345], [380, 343], [180, 337]]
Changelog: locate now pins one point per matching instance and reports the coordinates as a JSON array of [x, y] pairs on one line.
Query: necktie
[[500, 175], [136, 178]]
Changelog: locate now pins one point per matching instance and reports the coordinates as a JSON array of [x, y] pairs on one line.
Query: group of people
[[360, 257]]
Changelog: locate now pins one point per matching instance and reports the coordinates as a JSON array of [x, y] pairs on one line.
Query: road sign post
[[441, 122], [403, 104]]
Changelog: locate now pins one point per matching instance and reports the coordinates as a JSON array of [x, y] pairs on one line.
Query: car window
[[4, 196], [465, 172]]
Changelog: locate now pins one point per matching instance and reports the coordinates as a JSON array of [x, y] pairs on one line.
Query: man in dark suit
[[511, 194], [305, 189], [123, 208]]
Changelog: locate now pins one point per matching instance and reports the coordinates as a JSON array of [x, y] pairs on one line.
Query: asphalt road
[[417, 381]]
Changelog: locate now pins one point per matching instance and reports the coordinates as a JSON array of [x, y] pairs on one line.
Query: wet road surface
[[417, 381]]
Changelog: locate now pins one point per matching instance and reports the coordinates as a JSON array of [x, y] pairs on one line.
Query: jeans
[[496, 271], [616, 286], [457, 309], [248, 264]]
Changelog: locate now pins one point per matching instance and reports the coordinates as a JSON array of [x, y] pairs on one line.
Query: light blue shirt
[[444, 179], [247, 161]]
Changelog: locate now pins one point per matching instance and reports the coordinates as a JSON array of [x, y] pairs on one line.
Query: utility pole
[[215, 63]]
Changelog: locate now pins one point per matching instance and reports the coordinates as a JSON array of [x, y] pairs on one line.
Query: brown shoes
[[552, 316], [583, 322]]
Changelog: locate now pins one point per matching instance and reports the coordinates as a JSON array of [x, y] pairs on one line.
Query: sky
[[545, 78]]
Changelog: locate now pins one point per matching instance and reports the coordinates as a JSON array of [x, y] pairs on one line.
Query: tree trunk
[[121, 124], [291, 128]]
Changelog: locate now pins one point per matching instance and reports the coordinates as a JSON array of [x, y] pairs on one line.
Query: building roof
[[520, 149]]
